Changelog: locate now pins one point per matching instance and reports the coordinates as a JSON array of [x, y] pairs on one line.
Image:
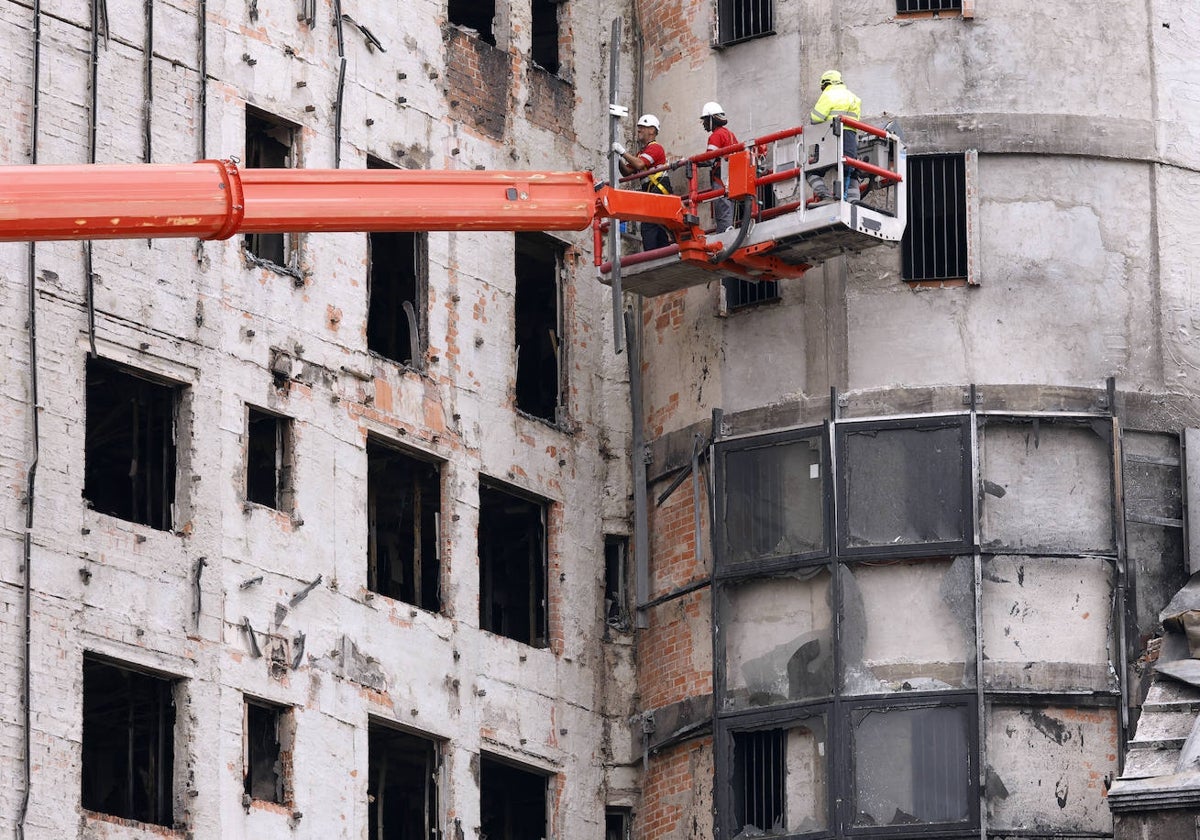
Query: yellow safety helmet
[[830, 77]]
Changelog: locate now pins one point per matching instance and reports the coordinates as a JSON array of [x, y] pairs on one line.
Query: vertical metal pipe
[[637, 444], [148, 104], [202, 64], [341, 85], [614, 227], [31, 475], [977, 566]]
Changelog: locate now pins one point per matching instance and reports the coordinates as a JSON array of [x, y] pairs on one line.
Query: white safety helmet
[[712, 109], [648, 119]]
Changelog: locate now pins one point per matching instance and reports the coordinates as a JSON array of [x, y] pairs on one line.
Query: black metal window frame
[[744, 20], [905, 7], [936, 243], [724, 567], [1103, 428], [963, 545], [837, 713]]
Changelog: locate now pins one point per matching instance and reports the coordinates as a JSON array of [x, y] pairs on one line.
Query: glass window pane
[[780, 780], [903, 486], [773, 504], [777, 636], [1045, 487], [1047, 767], [1047, 623], [911, 766], [909, 625]]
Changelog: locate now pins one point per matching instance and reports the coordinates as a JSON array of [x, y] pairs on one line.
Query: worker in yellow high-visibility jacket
[[837, 101]]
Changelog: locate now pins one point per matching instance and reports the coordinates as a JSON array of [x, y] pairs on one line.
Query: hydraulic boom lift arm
[[215, 199]]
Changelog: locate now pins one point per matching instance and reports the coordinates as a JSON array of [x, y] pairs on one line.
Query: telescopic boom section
[[216, 200]]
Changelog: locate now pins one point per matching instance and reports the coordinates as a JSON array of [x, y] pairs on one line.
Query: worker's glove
[[618, 148]]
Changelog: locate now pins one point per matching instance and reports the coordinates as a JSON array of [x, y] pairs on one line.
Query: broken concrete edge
[[1178, 790]]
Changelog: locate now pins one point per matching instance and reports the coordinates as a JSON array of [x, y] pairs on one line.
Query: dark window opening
[[903, 6], [129, 448], [395, 292], [758, 779], [474, 14], [268, 751], [741, 20], [545, 34], [269, 465], [402, 784], [269, 145], [512, 801], [616, 586], [128, 743], [934, 246], [512, 566], [741, 293], [538, 325], [404, 503], [618, 824]]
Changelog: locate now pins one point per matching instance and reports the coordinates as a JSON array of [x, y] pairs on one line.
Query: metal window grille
[[935, 244], [928, 6], [741, 293], [740, 20], [759, 779]]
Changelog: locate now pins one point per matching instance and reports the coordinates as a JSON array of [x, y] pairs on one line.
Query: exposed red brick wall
[[674, 561], [551, 103], [677, 794], [480, 77], [675, 651]]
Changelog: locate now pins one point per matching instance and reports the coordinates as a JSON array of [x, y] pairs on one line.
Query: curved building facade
[[947, 489]]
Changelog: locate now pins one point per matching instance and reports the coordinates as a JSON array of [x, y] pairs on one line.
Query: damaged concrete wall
[[240, 598]]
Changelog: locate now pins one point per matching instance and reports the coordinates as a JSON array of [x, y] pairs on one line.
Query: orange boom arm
[[216, 200]]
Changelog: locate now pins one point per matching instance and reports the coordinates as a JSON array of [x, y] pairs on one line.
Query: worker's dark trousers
[[816, 180], [654, 237]]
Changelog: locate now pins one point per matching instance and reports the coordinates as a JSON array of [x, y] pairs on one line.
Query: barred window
[[741, 20], [934, 246], [903, 6], [740, 293]]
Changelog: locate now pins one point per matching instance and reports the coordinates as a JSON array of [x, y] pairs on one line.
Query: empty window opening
[[402, 784], [128, 743], [616, 582], [268, 749], [129, 447], [512, 565], [269, 465], [618, 824], [395, 293], [270, 144], [476, 15], [512, 801], [539, 260], [404, 502], [545, 34], [740, 293], [741, 20], [934, 246], [904, 6]]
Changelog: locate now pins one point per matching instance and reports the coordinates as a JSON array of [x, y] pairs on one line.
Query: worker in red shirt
[[650, 154], [712, 115]]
